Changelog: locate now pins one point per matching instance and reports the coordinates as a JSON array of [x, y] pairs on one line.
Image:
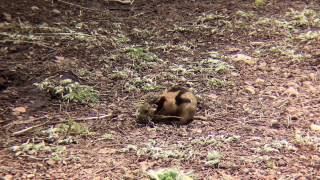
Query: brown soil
[[271, 113]]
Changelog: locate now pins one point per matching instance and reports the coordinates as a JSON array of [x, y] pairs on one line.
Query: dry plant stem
[[28, 129], [77, 5], [59, 122]]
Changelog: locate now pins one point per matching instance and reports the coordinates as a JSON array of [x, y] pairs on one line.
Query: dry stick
[[27, 129], [77, 5], [58, 122], [30, 42]]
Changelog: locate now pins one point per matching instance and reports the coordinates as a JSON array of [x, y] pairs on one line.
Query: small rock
[[19, 110], [7, 177], [275, 123], [244, 58], [259, 81], [51, 162], [250, 89], [315, 127], [291, 91], [35, 8], [313, 76], [56, 11], [30, 176]]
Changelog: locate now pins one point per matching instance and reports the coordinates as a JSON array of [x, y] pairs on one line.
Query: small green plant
[[260, 3], [66, 130], [276, 146], [214, 82], [107, 136], [144, 84], [35, 149], [141, 54], [244, 14], [119, 75], [69, 90], [168, 174], [309, 36], [290, 54], [213, 158], [306, 140], [305, 18]]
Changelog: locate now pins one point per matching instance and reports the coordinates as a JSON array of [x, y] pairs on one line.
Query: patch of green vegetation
[[290, 53], [260, 3], [35, 149], [213, 158], [69, 90], [306, 18], [306, 140], [309, 36], [144, 84], [276, 146], [245, 14], [272, 23], [215, 63], [119, 75], [182, 29], [217, 83], [154, 151], [122, 39], [107, 136], [216, 141], [181, 70], [83, 72], [168, 174], [141, 54], [66, 130]]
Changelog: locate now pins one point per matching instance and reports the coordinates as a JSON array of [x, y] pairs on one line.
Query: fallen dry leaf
[[250, 89], [19, 110]]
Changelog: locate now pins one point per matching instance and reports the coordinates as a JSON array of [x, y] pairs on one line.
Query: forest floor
[[255, 70]]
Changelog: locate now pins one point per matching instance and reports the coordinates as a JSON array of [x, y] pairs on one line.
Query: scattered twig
[[79, 6], [28, 129], [59, 122], [30, 42]]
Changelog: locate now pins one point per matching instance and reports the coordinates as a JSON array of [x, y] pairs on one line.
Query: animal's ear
[[180, 100]]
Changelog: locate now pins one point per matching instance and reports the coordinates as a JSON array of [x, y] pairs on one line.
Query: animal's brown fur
[[178, 102]]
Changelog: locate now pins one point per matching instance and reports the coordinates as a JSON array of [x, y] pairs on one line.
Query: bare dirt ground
[[255, 70]]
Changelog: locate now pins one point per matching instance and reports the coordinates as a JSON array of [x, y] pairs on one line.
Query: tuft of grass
[[141, 54], [260, 3], [305, 19], [310, 36], [213, 158], [69, 90], [276, 146], [290, 53], [168, 174], [214, 82], [28, 148], [107, 136], [145, 84], [66, 130], [305, 140]]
